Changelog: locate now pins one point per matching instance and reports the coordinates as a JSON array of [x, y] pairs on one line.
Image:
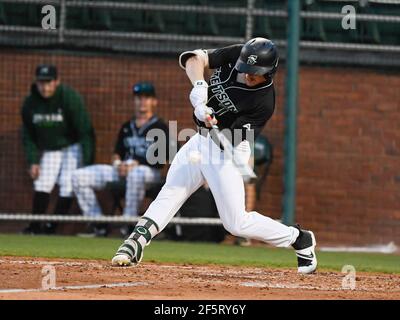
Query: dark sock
[[62, 208], [303, 241], [40, 204], [63, 205]]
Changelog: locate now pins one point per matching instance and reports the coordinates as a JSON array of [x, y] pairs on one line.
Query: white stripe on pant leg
[[71, 160], [227, 187], [50, 164], [88, 179], [136, 182]]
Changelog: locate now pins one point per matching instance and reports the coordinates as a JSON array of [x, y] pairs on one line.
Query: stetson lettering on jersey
[[224, 101], [236, 105]]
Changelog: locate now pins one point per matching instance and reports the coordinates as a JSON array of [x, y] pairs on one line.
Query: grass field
[[188, 253]]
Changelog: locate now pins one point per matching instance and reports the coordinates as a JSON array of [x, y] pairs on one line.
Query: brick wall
[[348, 184]]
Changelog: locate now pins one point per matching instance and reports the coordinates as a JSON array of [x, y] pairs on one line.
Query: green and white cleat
[[130, 253], [121, 260]]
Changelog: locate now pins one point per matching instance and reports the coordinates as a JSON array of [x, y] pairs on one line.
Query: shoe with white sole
[[130, 253], [305, 251]]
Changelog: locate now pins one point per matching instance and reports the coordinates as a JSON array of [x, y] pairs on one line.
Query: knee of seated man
[[78, 178], [74, 178]]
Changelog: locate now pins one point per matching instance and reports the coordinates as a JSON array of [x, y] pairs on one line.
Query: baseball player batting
[[239, 97]]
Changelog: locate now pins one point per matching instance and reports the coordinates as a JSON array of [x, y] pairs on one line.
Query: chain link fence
[[102, 48]]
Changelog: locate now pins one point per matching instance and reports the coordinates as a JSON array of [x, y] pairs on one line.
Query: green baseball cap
[[46, 72]]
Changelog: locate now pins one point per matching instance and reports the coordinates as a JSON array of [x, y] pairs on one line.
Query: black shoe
[[305, 251], [49, 228], [243, 242], [101, 230], [33, 228], [94, 230]]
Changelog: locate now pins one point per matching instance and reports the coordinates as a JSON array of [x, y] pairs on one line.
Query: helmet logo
[[252, 59]]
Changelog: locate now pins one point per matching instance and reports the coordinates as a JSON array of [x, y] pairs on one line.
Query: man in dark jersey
[[240, 98], [129, 160]]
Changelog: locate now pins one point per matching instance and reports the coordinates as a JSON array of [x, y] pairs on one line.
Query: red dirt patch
[[177, 282]]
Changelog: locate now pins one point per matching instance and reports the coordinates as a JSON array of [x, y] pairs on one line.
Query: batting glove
[[199, 94], [202, 112]]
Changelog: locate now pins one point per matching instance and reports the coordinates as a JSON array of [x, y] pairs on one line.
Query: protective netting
[[102, 48]]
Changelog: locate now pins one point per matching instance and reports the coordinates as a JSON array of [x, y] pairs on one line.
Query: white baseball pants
[[57, 167], [200, 160], [87, 180]]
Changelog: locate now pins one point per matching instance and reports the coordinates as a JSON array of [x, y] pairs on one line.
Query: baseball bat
[[244, 168]]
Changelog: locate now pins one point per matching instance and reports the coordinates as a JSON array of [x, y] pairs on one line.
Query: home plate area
[[27, 278]]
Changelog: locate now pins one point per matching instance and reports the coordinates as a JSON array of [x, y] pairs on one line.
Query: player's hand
[[199, 94], [202, 111], [210, 121], [125, 167], [34, 171]]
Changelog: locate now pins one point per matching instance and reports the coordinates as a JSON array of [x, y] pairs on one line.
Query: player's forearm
[[31, 155], [30, 148], [195, 68], [81, 124], [88, 151], [88, 148]]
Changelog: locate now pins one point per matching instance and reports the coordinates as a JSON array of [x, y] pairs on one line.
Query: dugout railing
[[102, 219]]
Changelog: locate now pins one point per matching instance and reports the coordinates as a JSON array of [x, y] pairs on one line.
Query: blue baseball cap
[[144, 88]]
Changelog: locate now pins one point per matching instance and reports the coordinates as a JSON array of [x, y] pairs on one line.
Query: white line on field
[[55, 263], [308, 287], [284, 286], [92, 286]]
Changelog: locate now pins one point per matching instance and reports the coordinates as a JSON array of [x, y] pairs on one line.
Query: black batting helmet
[[258, 56]]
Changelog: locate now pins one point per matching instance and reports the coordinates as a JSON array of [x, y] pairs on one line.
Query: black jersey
[[132, 142], [236, 105]]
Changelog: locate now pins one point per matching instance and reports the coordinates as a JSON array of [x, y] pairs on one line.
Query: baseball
[[194, 157]]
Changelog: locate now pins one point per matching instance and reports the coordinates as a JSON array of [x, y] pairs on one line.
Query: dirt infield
[[78, 279]]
